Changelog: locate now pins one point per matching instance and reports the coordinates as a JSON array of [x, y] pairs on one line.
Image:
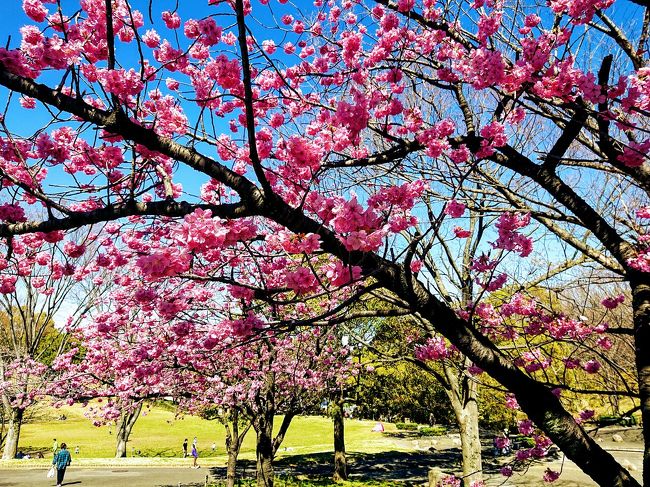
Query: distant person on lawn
[[185, 448], [195, 455], [55, 446], [61, 461]]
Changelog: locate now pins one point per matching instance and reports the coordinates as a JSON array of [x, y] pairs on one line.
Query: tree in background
[[50, 293]]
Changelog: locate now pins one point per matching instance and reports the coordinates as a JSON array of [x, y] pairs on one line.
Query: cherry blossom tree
[[178, 338], [303, 127], [284, 376], [43, 301]]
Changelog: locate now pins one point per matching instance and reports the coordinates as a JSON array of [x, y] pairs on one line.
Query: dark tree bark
[[267, 446], [264, 451], [641, 306], [340, 460], [463, 394]]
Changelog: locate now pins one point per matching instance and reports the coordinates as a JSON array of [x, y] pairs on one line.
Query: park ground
[[379, 460]]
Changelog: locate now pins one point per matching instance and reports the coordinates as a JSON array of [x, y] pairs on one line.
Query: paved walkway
[[107, 477]]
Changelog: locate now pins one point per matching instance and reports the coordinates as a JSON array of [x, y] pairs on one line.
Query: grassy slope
[[158, 433]]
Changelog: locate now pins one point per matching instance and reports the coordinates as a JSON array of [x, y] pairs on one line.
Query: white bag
[[51, 472]]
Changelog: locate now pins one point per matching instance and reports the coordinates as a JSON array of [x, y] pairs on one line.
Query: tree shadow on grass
[[408, 468], [398, 466], [157, 452], [169, 453]]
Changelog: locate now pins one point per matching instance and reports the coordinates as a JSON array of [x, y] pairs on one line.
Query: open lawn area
[[158, 436]]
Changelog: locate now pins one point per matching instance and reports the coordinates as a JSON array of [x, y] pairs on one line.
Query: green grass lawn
[[158, 436]]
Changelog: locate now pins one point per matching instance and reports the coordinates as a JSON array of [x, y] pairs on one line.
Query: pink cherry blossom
[[613, 302], [525, 427], [509, 237], [643, 212], [551, 475], [434, 349], [591, 366], [171, 19], [35, 10], [454, 209]]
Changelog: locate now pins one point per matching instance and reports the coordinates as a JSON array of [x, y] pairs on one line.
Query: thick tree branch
[[563, 193], [110, 43], [77, 219], [395, 153], [119, 124], [248, 98], [623, 42], [569, 134]]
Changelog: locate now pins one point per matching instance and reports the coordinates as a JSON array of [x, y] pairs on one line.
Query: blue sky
[[11, 13], [12, 18]]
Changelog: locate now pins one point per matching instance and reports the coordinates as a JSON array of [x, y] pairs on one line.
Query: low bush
[[521, 441], [406, 426], [433, 430], [607, 420]]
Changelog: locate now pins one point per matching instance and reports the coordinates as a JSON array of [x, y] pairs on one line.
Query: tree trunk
[[14, 422], [264, 452], [470, 441], [340, 461], [123, 430], [231, 468], [641, 309], [463, 393], [234, 440]]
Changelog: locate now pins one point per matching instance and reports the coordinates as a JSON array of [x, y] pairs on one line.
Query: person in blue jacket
[[61, 461]]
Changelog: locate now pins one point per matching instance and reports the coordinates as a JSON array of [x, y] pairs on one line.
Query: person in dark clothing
[[61, 461], [185, 448]]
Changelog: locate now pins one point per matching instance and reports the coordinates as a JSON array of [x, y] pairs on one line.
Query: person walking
[[185, 448], [61, 461], [195, 455], [55, 447]]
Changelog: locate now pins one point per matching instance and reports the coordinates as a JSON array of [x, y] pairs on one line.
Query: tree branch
[[113, 212], [248, 99]]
